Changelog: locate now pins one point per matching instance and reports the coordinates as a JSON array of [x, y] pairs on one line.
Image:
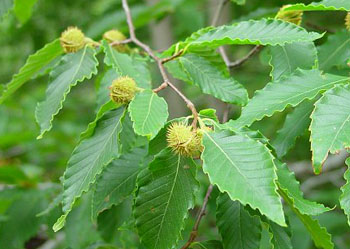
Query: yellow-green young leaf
[[149, 112], [286, 59], [291, 187], [239, 2], [288, 91], [127, 66], [5, 6], [32, 66], [117, 180], [261, 32], [319, 235], [330, 125], [73, 68], [243, 168], [238, 229], [88, 159], [164, 197], [334, 52], [345, 197], [295, 125], [322, 5], [23, 9], [212, 81]]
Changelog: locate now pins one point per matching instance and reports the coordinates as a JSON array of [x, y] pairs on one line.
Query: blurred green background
[[30, 169]]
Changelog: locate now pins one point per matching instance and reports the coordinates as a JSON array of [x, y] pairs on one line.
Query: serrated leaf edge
[[42, 132], [62, 219], [281, 223]]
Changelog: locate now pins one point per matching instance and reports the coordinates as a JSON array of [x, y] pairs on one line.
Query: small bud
[[292, 16], [72, 40], [347, 21], [183, 140], [123, 90], [116, 36]]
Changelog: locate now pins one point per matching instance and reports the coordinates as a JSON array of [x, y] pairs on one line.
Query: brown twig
[[319, 28], [165, 60], [200, 215], [241, 61], [218, 12], [116, 43], [160, 63]]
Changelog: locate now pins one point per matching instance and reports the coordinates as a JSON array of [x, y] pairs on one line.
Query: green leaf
[[261, 32], [238, 229], [5, 6], [127, 66], [243, 168], [281, 237], [209, 113], [208, 244], [330, 125], [127, 137], [53, 204], [72, 69], [23, 9], [110, 105], [164, 199], [80, 231], [291, 187], [103, 91], [117, 180], [323, 5], [319, 235], [286, 59], [33, 65], [295, 125], [212, 81], [109, 221], [88, 159], [345, 197], [336, 51], [22, 222], [266, 237], [149, 112], [288, 91]]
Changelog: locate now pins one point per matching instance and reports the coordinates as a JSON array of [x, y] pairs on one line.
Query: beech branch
[[200, 215], [160, 62]]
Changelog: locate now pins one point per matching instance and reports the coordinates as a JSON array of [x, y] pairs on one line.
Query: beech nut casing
[[72, 40], [123, 90]]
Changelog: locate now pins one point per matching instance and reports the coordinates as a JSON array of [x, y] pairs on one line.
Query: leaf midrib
[[215, 86], [170, 196], [96, 159], [335, 52], [148, 113], [229, 159]]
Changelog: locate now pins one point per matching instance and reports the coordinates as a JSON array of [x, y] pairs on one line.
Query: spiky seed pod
[[116, 36], [183, 140], [347, 21], [72, 40], [292, 16], [123, 90]]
